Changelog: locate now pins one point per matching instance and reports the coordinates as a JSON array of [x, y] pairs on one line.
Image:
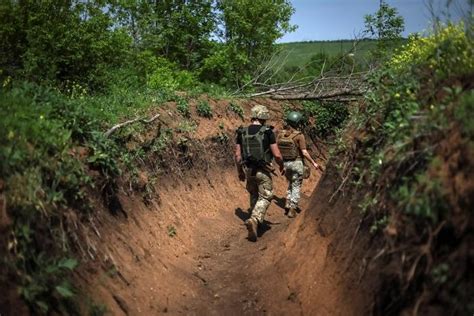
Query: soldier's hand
[[318, 166]]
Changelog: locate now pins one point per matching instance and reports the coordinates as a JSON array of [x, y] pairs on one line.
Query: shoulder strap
[[294, 134], [263, 129]]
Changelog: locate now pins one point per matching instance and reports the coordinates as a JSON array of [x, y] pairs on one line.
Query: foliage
[[51, 42], [179, 31], [418, 100], [250, 29], [182, 106], [447, 52], [163, 44], [165, 75], [49, 139], [237, 109], [42, 180], [386, 25], [204, 109], [328, 116]]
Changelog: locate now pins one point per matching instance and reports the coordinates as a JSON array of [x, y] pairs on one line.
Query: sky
[[344, 19]]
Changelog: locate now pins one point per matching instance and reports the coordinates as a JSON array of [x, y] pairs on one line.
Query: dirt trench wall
[[325, 256], [184, 251]]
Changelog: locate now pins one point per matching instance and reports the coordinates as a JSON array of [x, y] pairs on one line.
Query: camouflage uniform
[[294, 174], [260, 187]]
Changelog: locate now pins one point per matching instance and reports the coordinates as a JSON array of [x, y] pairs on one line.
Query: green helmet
[[260, 112], [294, 118]]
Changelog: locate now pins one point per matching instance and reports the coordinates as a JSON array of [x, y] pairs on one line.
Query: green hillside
[[299, 53]]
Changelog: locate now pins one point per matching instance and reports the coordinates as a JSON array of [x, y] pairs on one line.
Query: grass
[[299, 53]]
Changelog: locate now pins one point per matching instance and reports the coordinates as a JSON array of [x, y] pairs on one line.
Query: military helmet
[[260, 112], [294, 118]]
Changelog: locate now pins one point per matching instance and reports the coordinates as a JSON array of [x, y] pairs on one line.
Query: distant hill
[[299, 53]]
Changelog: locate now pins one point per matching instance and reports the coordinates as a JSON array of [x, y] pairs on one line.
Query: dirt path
[[229, 265], [208, 267]]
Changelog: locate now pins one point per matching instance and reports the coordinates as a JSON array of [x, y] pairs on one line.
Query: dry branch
[[318, 96], [138, 119]]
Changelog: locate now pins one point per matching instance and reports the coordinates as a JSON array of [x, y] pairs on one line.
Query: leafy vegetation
[[163, 44], [407, 133], [204, 109], [386, 25], [237, 109], [328, 116]]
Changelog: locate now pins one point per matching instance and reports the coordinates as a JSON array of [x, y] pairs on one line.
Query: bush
[[408, 133], [42, 180], [182, 106], [329, 116], [237, 109], [204, 109], [163, 74]]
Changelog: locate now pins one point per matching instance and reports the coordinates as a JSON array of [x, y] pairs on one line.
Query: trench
[[186, 253]]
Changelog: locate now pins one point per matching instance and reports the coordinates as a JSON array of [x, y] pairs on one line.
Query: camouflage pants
[[260, 188], [294, 175]]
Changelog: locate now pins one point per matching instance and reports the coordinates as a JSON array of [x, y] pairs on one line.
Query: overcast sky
[[341, 19]]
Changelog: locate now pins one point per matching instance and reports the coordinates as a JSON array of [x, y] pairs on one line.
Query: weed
[[182, 106], [204, 109], [172, 231], [186, 127], [237, 109]]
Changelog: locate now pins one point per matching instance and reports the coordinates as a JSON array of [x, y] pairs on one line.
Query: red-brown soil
[[186, 252]]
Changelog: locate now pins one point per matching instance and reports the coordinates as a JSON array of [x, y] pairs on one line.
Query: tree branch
[[138, 119]]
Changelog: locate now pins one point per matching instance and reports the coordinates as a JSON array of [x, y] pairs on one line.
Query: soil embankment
[[186, 251]]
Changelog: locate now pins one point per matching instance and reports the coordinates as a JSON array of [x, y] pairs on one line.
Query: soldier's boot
[[291, 212], [252, 225]]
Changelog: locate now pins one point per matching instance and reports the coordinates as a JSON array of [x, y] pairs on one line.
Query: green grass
[[299, 53]]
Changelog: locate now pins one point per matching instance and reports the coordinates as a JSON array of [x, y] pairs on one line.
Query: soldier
[[292, 144], [254, 151]]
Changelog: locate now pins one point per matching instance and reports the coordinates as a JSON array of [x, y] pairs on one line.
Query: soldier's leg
[[288, 175], [252, 188], [265, 195], [296, 182]]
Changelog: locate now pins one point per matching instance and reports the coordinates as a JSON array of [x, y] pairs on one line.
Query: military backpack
[[254, 152], [286, 144]]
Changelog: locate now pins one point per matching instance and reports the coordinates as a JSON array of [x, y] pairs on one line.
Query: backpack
[[287, 145], [253, 151]]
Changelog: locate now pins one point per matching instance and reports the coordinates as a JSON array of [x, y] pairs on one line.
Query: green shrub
[[204, 109], [166, 75], [182, 106], [237, 109], [43, 179], [329, 116]]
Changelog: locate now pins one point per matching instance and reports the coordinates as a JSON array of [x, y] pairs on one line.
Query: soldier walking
[[254, 151], [292, 145]]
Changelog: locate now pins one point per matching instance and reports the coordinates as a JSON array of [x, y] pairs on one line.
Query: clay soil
[[187, 253]]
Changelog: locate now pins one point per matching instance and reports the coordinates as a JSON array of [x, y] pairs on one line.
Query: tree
[[249, 29], [179, 30], [56, 42], [386, 25]]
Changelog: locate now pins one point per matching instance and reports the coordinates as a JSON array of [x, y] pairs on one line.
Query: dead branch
[[319, 96], [138, 119]]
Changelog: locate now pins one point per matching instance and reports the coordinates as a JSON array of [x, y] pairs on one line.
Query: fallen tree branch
[[319, 96], [138, 119]]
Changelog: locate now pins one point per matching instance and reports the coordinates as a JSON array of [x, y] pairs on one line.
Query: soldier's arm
[[277, 155], [304, 151], [238, 162], [311, 160]]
